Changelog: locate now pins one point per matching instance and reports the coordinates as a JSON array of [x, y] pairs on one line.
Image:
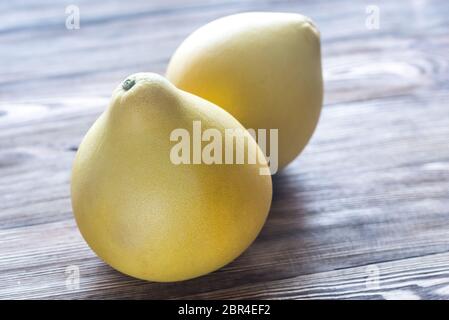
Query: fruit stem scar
[[128, 84]]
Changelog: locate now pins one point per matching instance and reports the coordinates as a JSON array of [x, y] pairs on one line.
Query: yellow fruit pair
[[156, 219]]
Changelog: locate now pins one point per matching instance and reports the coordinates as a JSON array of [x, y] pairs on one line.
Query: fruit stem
[[128, 84]]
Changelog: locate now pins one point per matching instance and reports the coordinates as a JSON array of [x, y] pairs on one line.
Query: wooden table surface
[[362, 213]]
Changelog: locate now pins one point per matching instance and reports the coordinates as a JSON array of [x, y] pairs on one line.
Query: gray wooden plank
[[409, 279]]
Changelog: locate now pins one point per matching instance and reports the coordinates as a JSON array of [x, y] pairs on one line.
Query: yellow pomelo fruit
[[264, 68], [148, 217]]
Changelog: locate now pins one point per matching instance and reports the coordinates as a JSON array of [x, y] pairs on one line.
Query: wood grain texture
[[362, 213]]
